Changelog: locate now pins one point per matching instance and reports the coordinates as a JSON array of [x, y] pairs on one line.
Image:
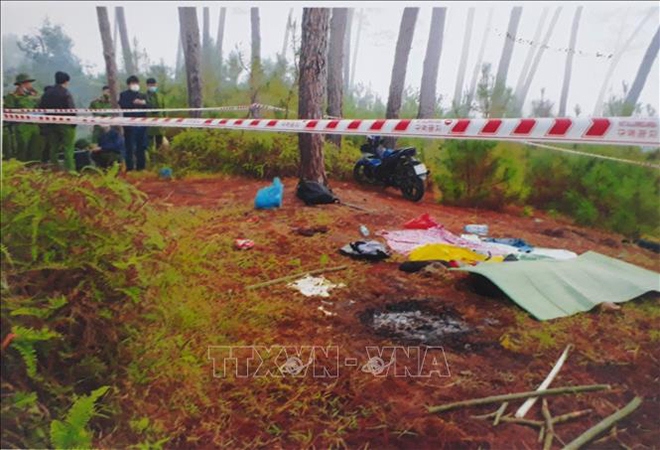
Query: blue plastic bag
[[165, 173], [270, 196]]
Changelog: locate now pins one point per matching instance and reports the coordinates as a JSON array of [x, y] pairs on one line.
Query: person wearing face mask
[[135, 138], [59, 138], [156, 100], [21, 140], [102, 102]]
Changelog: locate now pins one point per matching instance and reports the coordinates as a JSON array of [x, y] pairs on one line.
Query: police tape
[[252, 107], [610, 130]]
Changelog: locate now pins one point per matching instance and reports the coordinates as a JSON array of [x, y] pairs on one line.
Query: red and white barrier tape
[[611, 130], [254, 106]]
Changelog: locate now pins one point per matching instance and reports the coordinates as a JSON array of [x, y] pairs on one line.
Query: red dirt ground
[[479, 365]]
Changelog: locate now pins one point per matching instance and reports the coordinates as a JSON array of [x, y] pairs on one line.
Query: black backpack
[[313, 193]]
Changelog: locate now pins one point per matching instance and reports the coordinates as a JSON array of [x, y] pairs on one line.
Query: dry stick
[[541, 434], [499, 412], [291, 277], [550, 429], [570, 416], [604, 424], [517, 395], [525, 407], [531, 423]]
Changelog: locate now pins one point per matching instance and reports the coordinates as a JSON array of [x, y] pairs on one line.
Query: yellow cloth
[[445, 252]]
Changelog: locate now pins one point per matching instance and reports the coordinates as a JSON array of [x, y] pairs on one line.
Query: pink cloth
[[405, 241]]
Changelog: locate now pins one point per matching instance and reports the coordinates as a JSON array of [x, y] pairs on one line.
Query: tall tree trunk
[[520, 100], [569, 62], [221, 35], [255, 60], [618, 52], [528, 60], [108, 54], [401, 54], [179, 58], [193, 56], [480, 57], [427, 91], [642, 74], [357, 45], [460, 76], [285, 42], [129, 64], [206, 33], [499, 90], [335, 69], [347, 51], [311, 89]]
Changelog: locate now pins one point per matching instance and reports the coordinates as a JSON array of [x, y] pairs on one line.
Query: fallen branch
[[518, 395], [570, 416], [604, 425], [549, 428], [525, 407], [292, 277], [531, 423], [359, 208], [499, 412]]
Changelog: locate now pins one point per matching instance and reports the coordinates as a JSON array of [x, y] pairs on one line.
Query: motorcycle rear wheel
[[412, 187]]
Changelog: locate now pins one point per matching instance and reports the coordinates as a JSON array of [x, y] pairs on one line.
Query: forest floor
[[195, 298]]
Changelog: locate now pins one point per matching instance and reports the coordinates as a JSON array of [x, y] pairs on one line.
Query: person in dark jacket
[[59, 138], [135, 137], [110, 148]]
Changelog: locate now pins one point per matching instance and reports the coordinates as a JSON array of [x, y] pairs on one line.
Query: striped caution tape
[[611, 130], [253, 107]]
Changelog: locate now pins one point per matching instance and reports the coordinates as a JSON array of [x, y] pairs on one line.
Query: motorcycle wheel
[[412, 187], [360, 174]]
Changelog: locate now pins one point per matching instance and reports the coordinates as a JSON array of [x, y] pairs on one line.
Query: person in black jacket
[[135, 138], [59, 138]]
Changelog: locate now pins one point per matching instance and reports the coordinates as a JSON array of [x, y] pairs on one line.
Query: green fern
[[42, 312], [24, 344], [73, 432]]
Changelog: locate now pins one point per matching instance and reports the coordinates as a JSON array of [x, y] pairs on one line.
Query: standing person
[[21, 140], [102, 102], [135, 137], [155, 100], [59, 138]]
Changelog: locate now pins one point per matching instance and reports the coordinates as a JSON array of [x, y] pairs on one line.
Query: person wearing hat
[[59, 138], [155, 100], [21, 140], [102, 102]]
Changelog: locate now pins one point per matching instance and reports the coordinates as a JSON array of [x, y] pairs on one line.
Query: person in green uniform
[[59, 138], [155, 100], [102, 102], [21, 140]]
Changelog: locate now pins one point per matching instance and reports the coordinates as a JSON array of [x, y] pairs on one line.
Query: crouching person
[[110, 149]]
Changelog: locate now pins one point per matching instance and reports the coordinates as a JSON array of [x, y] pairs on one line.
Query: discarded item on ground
[[165, 173], [293, 277], [423, 222], [314, 193], [243, 244], [359, 208], [369, 250], [445, 252], [518, 243], [311, 231], [270, 196], [649, 245], [609, 307], [325, 311], [414, 266], [552, 289], [525, 407], [517, 396], [311, 286], [604, 425], [364, 231], [476, 228]]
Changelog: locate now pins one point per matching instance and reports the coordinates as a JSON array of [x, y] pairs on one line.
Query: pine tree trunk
[[499, 90], [108, 54], [427, 91], [221, 34], [357, 45], [129, 65], [193, 56], [179, 59], [480, 57], [465, 52], [255, 59], [347, 51], [285, 42], [335, 69], [642, 73], [206, 33], [311, 89], [528, 60], [569, 62], [398, 80]]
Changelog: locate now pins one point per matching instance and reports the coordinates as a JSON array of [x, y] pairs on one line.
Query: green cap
[[22, 78]]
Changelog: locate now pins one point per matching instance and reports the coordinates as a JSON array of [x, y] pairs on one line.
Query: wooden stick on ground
[[499, 412], [518, 395], [549, 428], [292, 277], [525, 407], [604, 425], [570, 416]]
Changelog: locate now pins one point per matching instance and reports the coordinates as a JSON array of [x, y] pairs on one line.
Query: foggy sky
[[156, 26]]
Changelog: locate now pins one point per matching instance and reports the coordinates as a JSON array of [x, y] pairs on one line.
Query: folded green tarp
[[552, 289]]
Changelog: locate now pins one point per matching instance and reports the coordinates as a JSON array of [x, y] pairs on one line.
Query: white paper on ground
[[310, 286]]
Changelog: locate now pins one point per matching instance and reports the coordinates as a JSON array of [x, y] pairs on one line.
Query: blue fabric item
[[270, 196], [514, 242], [112, 141]]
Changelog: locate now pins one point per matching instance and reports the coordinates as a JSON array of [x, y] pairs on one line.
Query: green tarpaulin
[[552, 289]]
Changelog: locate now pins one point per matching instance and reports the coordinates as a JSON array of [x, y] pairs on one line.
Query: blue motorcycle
[[396, 168]]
